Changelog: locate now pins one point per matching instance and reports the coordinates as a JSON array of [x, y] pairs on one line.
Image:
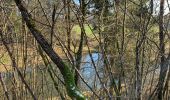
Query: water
[[88, 71]]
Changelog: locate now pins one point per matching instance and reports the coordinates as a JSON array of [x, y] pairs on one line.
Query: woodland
[[84, 49]]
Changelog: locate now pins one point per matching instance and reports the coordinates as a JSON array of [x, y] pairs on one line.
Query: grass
[[76, 29], [5, 58], [5, 62]]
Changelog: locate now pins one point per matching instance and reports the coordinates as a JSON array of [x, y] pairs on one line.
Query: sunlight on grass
[[76, 29], [5, 62], [5, 58]]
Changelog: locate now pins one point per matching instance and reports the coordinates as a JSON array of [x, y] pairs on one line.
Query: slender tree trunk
[[163, 68], [138, 74], [80, 49], [53, 25], [4, 87], [14, 65], [68, 25], [68, 77]]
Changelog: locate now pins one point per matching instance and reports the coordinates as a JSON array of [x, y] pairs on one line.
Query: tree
[[72, 90], [163, 65], [50, 49]]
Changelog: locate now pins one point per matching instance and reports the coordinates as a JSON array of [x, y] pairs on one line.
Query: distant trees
[[126, 44]]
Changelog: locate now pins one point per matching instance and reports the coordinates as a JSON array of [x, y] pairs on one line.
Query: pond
[[88, 71]]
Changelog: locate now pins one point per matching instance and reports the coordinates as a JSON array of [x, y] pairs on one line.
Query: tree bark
[[163, 67], [80, 49], [4, 87], [68, 76]]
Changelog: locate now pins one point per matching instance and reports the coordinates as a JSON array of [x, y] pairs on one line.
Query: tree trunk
[[68, 76], [163, 67], [80, 49]]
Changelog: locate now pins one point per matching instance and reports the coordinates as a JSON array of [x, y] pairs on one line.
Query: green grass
[[76, 29], [5, 58], [154, 29]]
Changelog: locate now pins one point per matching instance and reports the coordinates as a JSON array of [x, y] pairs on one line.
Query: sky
[[166, 7], [76, 1], [156, 6]]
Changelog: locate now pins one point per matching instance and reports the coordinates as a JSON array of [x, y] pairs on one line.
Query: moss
[[72, 89]]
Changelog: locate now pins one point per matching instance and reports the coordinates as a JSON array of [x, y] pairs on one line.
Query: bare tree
[[72, 90]]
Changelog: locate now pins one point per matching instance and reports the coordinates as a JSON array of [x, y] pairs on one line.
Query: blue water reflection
[[88, 71]]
